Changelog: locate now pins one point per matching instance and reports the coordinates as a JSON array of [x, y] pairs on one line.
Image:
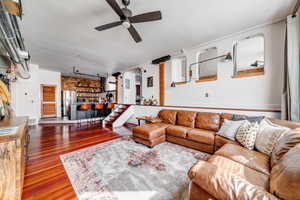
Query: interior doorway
[[132, 87], [48, 101], [138, 86]]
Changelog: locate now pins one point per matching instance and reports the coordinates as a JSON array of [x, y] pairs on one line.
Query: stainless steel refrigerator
[[68, 98]]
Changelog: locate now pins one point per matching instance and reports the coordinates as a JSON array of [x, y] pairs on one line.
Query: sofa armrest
[[155, 120], [224, 185]]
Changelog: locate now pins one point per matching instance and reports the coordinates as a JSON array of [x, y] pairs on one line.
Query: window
[[208, 70], [178, 66], [249, 57]]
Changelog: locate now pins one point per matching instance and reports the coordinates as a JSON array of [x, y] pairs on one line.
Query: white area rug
[[123, 170]]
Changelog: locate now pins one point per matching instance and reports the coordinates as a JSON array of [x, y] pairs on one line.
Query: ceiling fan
[[126, 18]]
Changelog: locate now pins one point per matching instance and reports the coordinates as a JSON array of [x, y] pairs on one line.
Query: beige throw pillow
[[246, 134], [229, 129], [268, 136]]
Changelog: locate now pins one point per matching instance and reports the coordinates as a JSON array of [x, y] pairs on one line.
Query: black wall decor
[[160, 60], [150, 81], [117, 74]]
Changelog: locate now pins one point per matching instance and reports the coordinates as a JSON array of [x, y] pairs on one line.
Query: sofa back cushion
[[186, 118], [168, 116], [287, 142], [251, 119], [288, 124], [208, 121], [224, 116], [284, 179]]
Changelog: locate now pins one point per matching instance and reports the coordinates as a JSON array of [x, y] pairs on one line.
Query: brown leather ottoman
[[150, 134]]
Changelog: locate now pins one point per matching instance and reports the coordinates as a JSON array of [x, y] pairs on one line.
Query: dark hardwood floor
[[45, 177]]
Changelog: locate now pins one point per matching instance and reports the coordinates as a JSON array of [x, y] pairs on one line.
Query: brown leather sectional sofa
[[191, 129], [233, 172]]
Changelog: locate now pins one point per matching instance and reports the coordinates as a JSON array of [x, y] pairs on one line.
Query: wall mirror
[[249, 56], [178, 69], [208, 69]]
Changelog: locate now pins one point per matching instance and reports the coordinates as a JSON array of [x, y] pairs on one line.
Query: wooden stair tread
[[116, 114]]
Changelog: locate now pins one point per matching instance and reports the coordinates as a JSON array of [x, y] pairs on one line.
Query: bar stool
[[97, 110], [84, 108], [109, 108]]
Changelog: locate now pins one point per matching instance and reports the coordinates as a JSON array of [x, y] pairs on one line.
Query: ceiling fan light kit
[[127, 20], [126, 24]]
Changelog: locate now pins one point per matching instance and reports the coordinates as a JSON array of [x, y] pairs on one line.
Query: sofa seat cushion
[[177, 131], [150, 143], [252, 159], [221, 141], [197, 191], [202, 136], [150, 131], [250, 175], [191, 144], [222, 184]]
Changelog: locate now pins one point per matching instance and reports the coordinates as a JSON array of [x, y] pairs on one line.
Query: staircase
[[118, 116]]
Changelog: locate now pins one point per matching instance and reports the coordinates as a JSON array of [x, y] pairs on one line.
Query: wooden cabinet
[[13, 155]]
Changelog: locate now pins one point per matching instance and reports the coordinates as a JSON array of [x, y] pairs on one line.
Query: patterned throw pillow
[[268, 136], [246, 134]]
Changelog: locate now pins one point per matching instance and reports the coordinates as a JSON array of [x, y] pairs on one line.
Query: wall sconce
[[173, 85], [227, 57], [143, 70]]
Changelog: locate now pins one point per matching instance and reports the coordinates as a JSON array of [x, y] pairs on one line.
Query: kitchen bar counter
[[76, 114]]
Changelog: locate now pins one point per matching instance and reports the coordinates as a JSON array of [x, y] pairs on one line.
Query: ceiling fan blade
[[135, 35], [108, 26], [115, 6], [146, 17]]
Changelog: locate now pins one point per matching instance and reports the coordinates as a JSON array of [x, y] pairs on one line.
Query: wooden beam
[[162, 84], [181, 83], [207, 79], [249, 73]]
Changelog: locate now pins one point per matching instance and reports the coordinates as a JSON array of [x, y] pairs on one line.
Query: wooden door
[[48, 101]]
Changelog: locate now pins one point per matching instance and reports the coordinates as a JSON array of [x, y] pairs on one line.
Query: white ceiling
[[60, 33]]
